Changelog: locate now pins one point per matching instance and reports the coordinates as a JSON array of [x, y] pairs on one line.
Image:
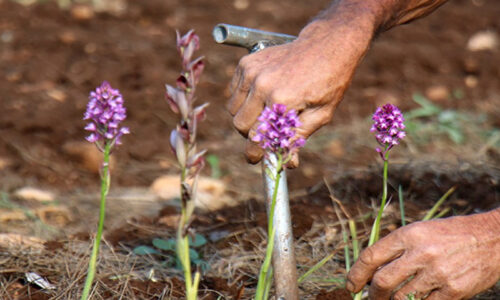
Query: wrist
[[349, 24]]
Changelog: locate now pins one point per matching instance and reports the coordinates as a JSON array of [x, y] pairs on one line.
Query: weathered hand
[[309, 75], [452, 258]]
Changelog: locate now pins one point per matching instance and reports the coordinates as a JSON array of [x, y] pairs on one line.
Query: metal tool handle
[[251, 39], [284, 263]]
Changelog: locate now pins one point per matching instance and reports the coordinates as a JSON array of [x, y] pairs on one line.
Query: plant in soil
[[389, 130], [277, 136], [105, 112], [183, 142]]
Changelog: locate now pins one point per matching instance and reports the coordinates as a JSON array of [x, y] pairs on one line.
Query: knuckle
[[381, 282], [366, 256], [244, 62], [262, 82], [441, 272], [431, 252], [454, 288]]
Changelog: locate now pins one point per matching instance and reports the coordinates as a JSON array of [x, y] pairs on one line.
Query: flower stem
[[265, 275], [375, 234], [105, 181], [183, 244]]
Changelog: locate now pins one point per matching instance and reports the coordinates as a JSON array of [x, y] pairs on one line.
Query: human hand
[[309, 75], [452, 258]]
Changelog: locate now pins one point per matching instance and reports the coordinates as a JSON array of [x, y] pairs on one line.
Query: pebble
[[82, 12], [437, 93], [31, 193], [483, 40], [471, 81]]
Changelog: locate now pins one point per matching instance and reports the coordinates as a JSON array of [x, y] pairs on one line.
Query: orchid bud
[[171, 96]]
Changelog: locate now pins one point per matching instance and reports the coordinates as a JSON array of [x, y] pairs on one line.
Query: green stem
[[264, 277], [402, 206], [354, 235], [375, 234], [105, 181], [183, 244]]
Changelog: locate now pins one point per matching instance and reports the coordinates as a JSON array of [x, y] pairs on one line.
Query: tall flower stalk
[[105, 112], [183, 142], [276, 134], [389, 128]]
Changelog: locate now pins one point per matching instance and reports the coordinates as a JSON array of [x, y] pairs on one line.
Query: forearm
[[380, 14]]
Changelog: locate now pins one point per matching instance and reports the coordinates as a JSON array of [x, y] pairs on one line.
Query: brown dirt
[[50, 60]]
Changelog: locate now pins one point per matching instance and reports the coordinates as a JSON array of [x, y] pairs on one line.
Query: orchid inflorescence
[[388, 127], [105, 111], [277, 131], [181, 99], [183, 142]]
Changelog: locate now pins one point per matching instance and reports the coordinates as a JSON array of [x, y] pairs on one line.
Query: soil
[[51, 57]]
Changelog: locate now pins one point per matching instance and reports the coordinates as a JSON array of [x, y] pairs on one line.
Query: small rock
[[12, 216], [31, 193], [471, 81], [437, 93], [54, 215], [57, 95], [241, 4], [483, 40], [82, 12], [211, 192], [87, 155]]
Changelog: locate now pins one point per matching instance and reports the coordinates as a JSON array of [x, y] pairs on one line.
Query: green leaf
[[167, 245], [214, 163], [198, 241], [144, 250], [193, 255], [203, 265], [427, 109]]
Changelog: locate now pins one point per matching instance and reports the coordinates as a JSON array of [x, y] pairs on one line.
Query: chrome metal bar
[[284, 263], [251, 39]]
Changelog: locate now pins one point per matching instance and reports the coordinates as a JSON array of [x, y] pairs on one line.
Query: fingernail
[[349, 286]]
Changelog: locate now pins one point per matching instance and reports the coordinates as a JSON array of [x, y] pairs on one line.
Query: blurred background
[[443, 71]]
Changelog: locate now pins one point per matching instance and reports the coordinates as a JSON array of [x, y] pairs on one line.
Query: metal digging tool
[[284, 265]]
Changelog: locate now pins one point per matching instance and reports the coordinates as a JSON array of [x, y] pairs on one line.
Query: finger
[[418, 287], [239, 93], [313, 119], [249, 113], [253, 152], [389, 277], [382, 252]]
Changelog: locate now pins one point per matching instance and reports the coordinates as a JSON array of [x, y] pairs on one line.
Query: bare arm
[[312, 73]]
